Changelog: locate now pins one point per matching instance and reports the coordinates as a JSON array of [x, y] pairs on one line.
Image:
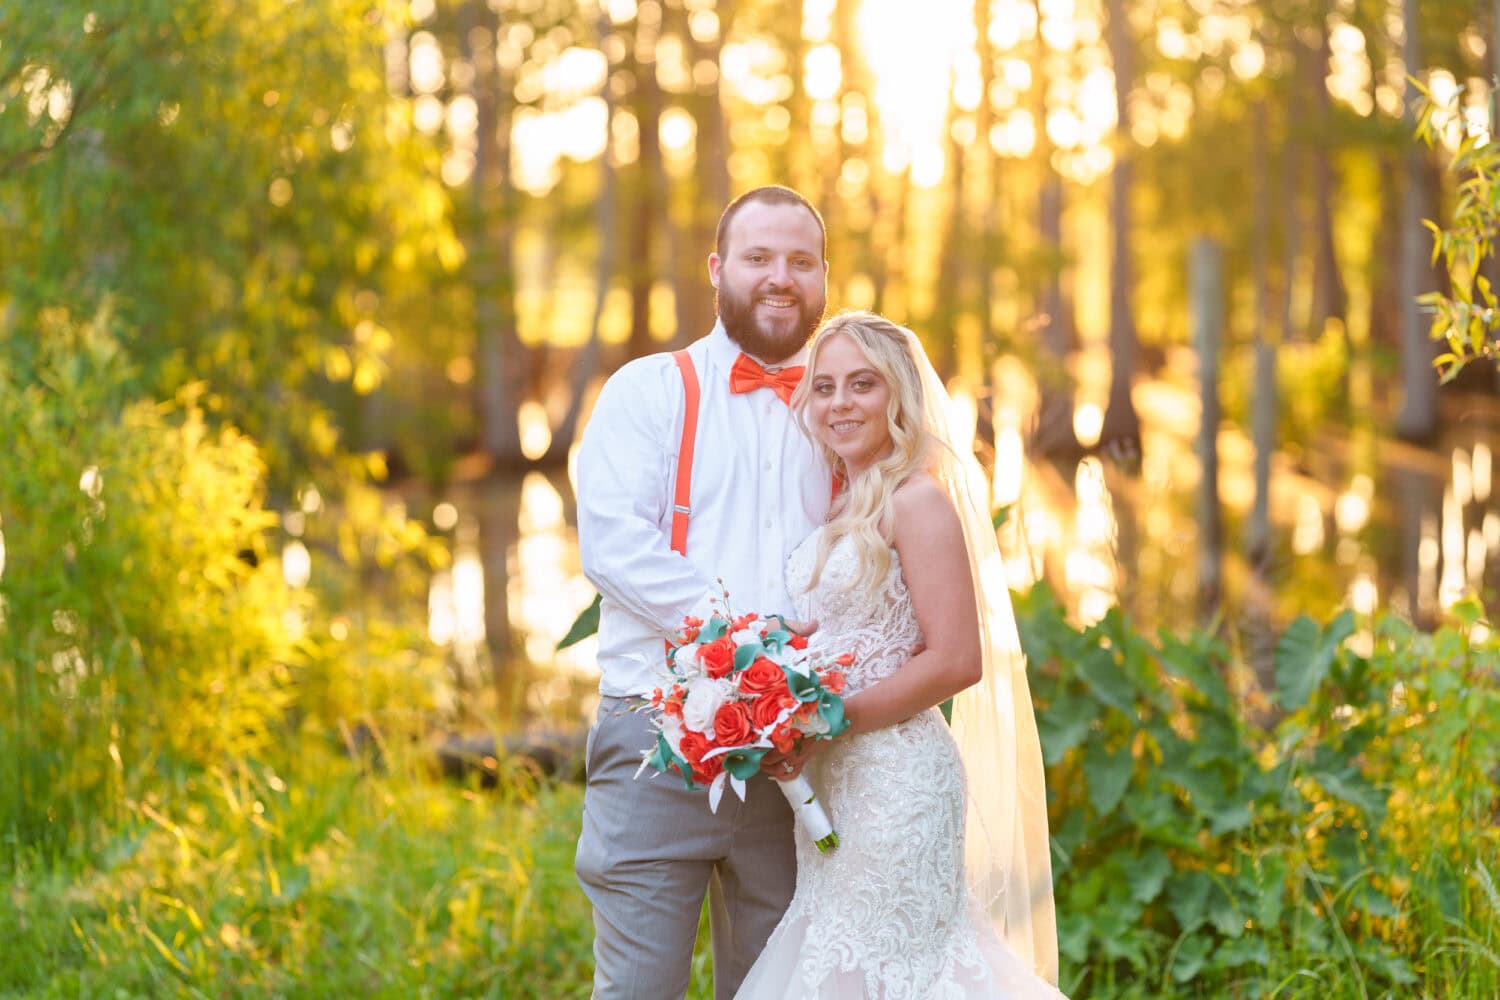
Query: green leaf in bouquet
[[831, 708], [662, 758], [585, 625], [744, 763], [776, 639], [713, 629], [804, 688], [746, 655]]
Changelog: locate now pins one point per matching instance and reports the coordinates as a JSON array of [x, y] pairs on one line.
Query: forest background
[[303, 305]]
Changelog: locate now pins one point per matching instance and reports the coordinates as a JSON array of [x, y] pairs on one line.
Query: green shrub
[[145, 623], [1348, 851]]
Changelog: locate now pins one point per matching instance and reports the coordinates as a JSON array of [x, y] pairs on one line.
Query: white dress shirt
[[759, 487]]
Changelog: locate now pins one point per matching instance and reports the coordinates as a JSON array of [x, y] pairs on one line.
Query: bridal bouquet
[[736, 688]]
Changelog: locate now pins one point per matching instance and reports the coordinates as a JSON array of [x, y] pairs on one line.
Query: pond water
[[1358, 521]]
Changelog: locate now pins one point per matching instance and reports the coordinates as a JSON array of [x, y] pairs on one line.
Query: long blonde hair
[[865, 513]]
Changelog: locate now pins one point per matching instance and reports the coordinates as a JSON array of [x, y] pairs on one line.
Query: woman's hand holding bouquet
[[738, 688]]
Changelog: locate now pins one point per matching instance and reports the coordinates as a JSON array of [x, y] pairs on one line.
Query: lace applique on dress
[[886, 914]]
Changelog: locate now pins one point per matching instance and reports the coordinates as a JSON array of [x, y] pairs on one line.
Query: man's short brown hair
[[772, 194]]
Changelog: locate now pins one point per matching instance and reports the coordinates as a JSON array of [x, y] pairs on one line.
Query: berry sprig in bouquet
[[737, 688]]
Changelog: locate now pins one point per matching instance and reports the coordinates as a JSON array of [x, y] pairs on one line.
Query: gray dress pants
[[649, 850]]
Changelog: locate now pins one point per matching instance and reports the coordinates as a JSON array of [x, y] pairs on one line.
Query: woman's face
[[847, 404]]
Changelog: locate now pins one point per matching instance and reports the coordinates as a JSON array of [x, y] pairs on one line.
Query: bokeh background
[[303, 306]]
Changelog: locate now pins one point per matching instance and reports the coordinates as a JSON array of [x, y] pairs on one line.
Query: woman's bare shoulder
[[922, 511]]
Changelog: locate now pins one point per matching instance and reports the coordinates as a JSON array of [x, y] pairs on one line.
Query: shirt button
[[768, 522], [768, 409], [768, 465]]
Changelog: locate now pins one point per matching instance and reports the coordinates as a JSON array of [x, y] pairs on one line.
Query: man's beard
[[769, 345]]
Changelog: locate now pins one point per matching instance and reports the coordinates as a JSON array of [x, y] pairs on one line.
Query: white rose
[[703, 702], [815, 726], [686, 661], [672, 729], [746, 637]]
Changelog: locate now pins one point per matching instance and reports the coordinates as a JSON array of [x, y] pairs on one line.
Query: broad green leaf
[[1189, 663], [1108, 774], [1187, 961], [1187, 898], [1109, 684], [1064, 725], [1148, 874], [1304, 654], [1244, 951], [1228, 817], [1224, 912], [1353, 788]]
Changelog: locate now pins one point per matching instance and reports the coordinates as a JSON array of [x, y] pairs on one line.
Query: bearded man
[[651, 849]]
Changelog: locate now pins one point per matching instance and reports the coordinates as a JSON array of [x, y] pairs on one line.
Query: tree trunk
[[988, 180], [1263, 401], [1256, 623], [1208, 330], [586, 363], [649, 211], [948, 296], [1054, 435], [1417, 420], [500, 358], [1330, 301], [1121, 433], [792, 159], [695, 312]]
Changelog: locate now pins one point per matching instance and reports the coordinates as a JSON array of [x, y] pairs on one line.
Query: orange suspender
[[682, 496]]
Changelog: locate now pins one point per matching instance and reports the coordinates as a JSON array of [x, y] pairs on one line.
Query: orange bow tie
[[747, 374]]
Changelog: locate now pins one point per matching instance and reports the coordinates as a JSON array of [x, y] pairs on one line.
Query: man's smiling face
[[771, 279]]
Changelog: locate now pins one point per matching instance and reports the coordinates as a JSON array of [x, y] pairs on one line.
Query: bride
[[941, 886]]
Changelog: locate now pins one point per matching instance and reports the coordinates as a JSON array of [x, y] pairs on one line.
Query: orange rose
[[762, 675], [693, 746], [705, 771], [767, 707], [717, 657], [732, 726]]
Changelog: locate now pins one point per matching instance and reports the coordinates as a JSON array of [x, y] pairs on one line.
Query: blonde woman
[[941, 886]]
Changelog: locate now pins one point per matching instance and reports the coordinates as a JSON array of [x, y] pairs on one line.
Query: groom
[[650, 849]]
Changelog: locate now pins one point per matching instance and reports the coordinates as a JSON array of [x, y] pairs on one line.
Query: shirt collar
[[722, 351]]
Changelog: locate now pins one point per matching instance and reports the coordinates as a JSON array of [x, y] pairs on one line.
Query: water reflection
[[455, 601], [513, 591], [1365, 525]]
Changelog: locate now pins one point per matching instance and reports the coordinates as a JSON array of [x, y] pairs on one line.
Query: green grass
[[342, 885], [246, 883]]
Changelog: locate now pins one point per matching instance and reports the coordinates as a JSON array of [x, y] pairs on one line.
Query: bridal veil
[[1007, 852]]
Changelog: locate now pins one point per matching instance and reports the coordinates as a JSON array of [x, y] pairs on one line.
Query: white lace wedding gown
[[886, 914]]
